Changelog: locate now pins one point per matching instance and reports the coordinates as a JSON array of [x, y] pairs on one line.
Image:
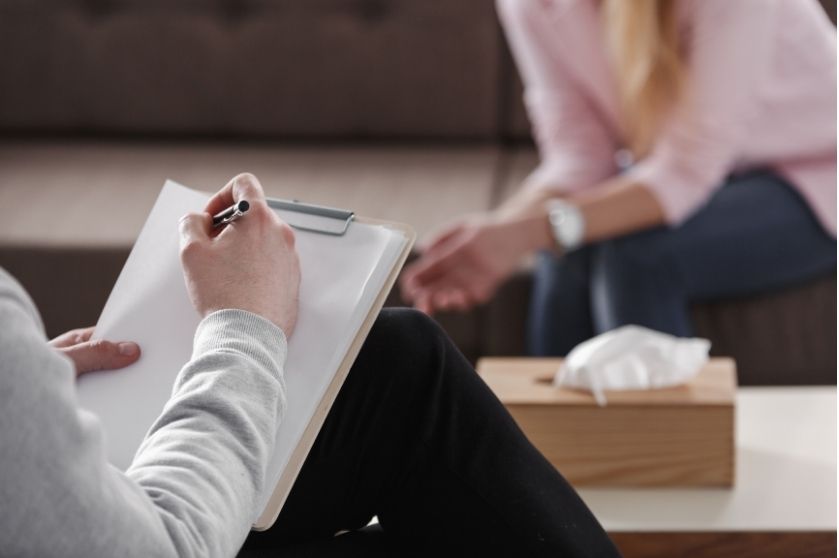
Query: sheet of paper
[[149, 304]]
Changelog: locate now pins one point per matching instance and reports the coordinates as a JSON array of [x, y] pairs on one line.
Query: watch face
[[567, 224], [557, 217]]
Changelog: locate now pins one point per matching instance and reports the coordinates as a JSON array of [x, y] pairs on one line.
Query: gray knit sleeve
[[192, 488]]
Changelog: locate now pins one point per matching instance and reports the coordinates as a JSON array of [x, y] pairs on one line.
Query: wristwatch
[[567, 224]]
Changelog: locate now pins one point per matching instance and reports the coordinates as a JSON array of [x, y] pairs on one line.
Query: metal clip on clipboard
[[313, 218]]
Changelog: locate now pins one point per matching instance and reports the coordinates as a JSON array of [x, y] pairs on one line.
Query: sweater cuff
[[243, 332]]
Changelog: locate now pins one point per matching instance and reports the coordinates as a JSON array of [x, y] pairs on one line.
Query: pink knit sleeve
[[728, 49], [575, 147]]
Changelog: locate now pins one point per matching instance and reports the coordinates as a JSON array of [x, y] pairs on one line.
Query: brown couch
[[403, 109]]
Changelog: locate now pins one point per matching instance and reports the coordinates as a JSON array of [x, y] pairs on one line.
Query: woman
[[414, 437], [688, 152]]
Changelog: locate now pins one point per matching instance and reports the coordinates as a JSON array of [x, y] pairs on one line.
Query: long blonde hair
[[643, 40]]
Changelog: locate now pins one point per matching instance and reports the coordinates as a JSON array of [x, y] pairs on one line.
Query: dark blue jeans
[[755, 234]]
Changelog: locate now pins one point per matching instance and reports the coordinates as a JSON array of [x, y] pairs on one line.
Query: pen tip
[[244, 206]]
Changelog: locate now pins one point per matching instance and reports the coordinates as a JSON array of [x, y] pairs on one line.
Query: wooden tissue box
[[682, 436]]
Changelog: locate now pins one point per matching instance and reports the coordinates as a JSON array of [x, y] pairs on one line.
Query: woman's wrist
[[528, 216], [539, 233]]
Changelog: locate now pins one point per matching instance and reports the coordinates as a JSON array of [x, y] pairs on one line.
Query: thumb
[[91, 356]]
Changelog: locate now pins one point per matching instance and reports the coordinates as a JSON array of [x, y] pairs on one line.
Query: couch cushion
[[783, 337], [64, 185]]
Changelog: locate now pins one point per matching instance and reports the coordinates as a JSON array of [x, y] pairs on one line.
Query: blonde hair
[[643, 41]]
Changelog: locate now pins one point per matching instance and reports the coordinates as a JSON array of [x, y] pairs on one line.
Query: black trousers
[[417, 438]]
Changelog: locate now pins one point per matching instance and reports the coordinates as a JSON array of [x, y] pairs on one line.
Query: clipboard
[[336, 222], [151, 290]]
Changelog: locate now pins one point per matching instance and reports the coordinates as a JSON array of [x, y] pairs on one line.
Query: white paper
[[340, 278]]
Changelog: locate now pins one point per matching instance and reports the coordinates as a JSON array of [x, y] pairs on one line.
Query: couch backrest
[[300, 68], [325, 69]]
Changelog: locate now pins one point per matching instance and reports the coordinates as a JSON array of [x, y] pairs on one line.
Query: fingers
[[243, 186], [194, 228], [72, 337], [419, 274], [406, 283], [424, 269], [446, 281], [441, 282], [436, 240], [423, 303], [96, 355], [440, 256], [246, 186], [452, 299], [428, 270], [430, 301]]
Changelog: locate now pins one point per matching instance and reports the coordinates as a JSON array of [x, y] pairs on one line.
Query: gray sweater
[[192, 487]]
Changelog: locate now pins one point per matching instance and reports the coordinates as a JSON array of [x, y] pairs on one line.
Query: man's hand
[[249, 265], [90, 355]]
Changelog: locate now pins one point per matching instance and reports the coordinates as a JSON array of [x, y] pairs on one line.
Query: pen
[[230, 214]]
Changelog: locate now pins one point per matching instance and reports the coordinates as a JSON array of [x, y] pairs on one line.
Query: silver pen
[[230, 214]]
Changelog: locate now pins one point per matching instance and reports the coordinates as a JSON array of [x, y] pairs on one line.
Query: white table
[[783, 502]]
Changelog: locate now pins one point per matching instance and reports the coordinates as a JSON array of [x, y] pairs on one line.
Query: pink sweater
[[763, 86]]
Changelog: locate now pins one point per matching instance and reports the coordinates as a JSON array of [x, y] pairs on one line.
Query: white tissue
[[632, 358]]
